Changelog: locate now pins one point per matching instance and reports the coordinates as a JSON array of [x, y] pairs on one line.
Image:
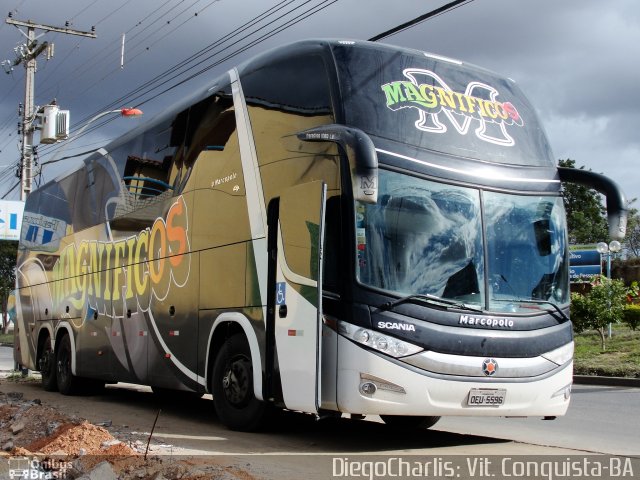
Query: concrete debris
[[102, 471], [17, 427]]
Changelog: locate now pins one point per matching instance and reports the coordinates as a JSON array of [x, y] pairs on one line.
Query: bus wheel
[[232, 387], [68, 384], [47, 366], [407, 422]]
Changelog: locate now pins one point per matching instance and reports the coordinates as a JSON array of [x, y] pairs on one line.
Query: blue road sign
[[584, 257], [582, 273]]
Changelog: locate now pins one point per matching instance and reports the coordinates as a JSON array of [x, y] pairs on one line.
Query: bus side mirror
[[616, 201], [361, 153]]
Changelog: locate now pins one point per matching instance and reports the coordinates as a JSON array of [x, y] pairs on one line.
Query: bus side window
[[82, 217], [46, 218], [284, 98], [210, 134], [215, 175]]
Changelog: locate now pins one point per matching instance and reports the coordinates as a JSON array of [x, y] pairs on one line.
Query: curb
[[607, 381]]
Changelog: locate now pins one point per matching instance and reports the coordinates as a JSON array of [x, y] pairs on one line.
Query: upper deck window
[[442, 106]]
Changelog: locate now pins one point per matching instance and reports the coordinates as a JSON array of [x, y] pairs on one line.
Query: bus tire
[[68, 383], [232, 387], [408, 423], [47, 366]]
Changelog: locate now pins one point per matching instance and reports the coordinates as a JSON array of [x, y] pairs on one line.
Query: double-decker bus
[[332, 226]]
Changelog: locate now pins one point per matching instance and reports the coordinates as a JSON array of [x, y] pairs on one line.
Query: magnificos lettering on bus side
[[139, 266]]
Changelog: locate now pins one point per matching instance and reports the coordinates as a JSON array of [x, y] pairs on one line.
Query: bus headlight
[[378, 341]]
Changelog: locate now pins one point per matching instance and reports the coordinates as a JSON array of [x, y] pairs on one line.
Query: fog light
[[566, 391], [368, 388], [378, 384]]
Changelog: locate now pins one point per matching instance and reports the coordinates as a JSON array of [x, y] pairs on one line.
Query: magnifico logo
[[436, 101], [136, 268]]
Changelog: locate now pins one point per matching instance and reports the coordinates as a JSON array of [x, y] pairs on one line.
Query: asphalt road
[[600, 420], [6, 359]]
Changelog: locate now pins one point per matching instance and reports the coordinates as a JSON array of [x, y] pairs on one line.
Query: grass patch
[[620, 359], [6, 338]]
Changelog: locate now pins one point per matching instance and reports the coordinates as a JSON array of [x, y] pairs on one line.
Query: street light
[[124, 112], [609, 251]]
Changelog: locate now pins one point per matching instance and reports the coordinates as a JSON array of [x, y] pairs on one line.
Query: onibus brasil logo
[[436, 103]]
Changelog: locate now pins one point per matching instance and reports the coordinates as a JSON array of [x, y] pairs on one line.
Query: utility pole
[[27, 55]]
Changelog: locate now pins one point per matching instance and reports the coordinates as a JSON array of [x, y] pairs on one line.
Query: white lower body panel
[[430, 396]]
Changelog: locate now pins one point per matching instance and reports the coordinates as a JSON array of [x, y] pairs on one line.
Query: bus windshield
[[492, 250]]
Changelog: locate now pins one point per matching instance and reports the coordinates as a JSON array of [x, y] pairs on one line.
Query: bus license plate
[[486, 397]]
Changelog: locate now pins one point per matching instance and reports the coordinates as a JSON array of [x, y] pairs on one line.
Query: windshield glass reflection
[[526, 239], [424, 237]]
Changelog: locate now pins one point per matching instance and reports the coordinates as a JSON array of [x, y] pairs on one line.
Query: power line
[[172, 30], [77, 45], [110, 14], [84, 9], [193, 57], [247, 26], [97, 56], [27, 57], [262, 17], [141, 42], [11, 190], [220, 41], [183, 64], [242, 49], [411, 23]]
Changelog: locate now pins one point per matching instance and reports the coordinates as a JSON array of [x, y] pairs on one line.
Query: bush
[[602, 305], [631, 316]]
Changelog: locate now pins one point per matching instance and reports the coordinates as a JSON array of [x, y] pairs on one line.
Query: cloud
[[574, 59]]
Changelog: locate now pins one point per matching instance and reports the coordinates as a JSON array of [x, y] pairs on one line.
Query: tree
[[603, 304], [585, 212], [632, 240], [8, 252]]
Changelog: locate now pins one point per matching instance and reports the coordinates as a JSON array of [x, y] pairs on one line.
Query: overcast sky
[[576, 60]]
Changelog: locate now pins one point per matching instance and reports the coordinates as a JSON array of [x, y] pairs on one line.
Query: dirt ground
[[67, 446], [108, 432]]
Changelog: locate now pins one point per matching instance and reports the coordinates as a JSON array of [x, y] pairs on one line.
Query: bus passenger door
[[296, 302]]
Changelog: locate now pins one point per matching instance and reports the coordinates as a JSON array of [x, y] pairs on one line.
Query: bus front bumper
[[370, 383]]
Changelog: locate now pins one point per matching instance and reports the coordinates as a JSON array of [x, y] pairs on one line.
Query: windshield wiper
[[546, 302], [429, 299], [535, 302]]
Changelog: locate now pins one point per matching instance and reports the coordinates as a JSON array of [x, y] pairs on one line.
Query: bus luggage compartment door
[[298, 294]]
